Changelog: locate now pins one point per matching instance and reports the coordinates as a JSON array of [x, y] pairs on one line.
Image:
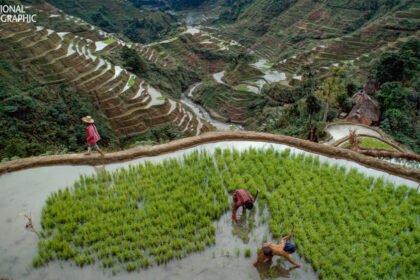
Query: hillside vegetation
[[122, 17], [80, 58], [327, 50], [42, 119]]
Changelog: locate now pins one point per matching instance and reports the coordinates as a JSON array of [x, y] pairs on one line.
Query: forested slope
[[123, 17]]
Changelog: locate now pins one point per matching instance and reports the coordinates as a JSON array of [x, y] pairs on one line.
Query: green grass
[[161, 97], [347, 225], [162, 53]]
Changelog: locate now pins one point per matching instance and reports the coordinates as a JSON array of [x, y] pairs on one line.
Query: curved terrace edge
[[209, 137]]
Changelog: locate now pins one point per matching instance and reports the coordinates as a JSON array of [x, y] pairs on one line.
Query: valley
[[315, 104], [140, 86]]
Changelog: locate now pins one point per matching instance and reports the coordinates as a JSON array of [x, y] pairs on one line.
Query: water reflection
[[269, 271], [99, 169], [244, 227]]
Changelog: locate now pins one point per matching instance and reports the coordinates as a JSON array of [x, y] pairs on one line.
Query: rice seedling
[[247, 253], [150, 214]]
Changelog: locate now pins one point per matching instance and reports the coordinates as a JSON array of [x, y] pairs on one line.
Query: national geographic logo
[[15, 14]]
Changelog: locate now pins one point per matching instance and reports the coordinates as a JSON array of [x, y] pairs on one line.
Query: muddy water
[[28, 190]]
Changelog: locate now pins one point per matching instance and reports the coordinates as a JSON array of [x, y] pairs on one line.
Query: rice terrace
[[209, 139], [337, 216], [140, 216]]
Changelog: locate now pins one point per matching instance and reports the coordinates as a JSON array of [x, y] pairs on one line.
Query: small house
[[366, 111]]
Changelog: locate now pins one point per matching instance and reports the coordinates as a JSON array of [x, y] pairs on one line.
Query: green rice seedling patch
[[108, 41], [133, 218], [132, 80], [347, 225], [243, 88], [370, 143], [248, 253]]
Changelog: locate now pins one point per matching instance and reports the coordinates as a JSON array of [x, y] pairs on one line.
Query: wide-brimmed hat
[[88, 119]]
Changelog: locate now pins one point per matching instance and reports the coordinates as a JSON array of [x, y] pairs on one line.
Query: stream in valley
[[202, 113]]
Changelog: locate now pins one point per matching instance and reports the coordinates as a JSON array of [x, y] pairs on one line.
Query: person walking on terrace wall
[[92, 136], [242, 198], [312, 135], [269, 250]]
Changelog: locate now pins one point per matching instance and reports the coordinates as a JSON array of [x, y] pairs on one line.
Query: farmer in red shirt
[[92, 135], [242, 198]]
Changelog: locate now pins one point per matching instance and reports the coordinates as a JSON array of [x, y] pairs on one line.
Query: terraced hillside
[[363, 44], [121, 17], [202, 50], [227, 104], [130, 104], [196, 48], [323, 33]]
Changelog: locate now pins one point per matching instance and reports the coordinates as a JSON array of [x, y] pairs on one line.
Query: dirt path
[[80, 159]]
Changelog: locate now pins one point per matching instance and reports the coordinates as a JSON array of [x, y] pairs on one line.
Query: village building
[[366, 111]]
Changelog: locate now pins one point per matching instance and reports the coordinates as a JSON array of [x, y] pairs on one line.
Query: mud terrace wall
[[143, 151]]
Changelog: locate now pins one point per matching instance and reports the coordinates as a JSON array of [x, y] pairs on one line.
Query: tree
[[399, 117], [392, 96], [395, 120], [310, 82], [312, 106], [390, 68], [330, 89], [132, 60]]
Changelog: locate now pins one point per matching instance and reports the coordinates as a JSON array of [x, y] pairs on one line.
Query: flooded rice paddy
[[27, 190]]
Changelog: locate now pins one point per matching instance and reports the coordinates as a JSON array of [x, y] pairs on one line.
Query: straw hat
[[88, 119]]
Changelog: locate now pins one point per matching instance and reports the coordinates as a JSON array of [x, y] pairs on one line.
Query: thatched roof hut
[[366, 111]]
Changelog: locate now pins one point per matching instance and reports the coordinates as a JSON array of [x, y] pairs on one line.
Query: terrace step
[[132, 107]]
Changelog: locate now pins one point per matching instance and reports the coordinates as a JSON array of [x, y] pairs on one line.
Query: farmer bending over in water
[[242, 198], [283, 249], [92, 135]]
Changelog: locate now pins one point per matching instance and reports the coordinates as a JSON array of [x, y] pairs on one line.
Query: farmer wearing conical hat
[[284, 248], [92, 135], [242, 198]]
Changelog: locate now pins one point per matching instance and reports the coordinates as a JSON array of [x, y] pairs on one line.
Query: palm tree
[[330, 89]]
